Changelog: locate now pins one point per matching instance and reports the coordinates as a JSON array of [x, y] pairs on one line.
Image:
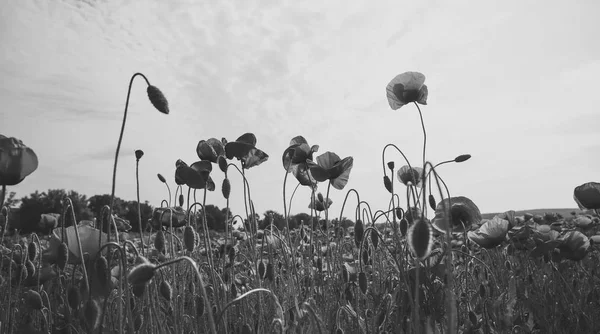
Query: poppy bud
[[432, 202], [388, 184], [233, 290], [391, 165], [159, 241], [261, 269], [481, 290], [63, 255], [246, 329], [161, 178], [320, 197], [403, 226], [139, 154], [345, 274], [270, 272], [138, 289], [34, 300], [199, 306], [102, 272], [181, 199], [91, 314], [226, 188], [73, 297], [381, 318], [359, 230], [399, 213], [138, 320], [32, 251], [365, 256], [158, 99], [462, 158], [362, 282], [141, 273], [231, 254], [472, 318], [375, 238], [339, 331], [189, 238], [30, 268], [165, 290], [420, 238]]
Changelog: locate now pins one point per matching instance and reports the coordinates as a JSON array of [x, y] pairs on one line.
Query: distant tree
[[125, 209], [11, 201], [34, 205], [97, 202], [215, 217], [276, 218]]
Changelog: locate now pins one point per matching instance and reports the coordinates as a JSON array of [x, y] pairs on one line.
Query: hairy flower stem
[[424, 132], [139, 206], [114, 177]]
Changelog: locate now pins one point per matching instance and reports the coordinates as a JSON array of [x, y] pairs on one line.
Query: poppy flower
[[406, 88], [210, 150], [294, 160], [413, 175], [17, 161], [463, 214], [196, 176], [491, 234], [330, 167], [318, 203], [587, 196], [546, 240], [88, 236], [574, 245], [244, 149]]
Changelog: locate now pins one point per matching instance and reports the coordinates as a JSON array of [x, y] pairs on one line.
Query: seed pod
[[189, 238], [391, 165], [102, 272], [374, 238], [359, 230], [34, 300], [158, 99], [432, 202], [30, 268], [270, 272], [73, 297], [420, 238], [388, 184], [403, 226], [246, 329], [226, 188], [139, 154], [181, 200], [141, 274], [159, 241], [138, 321], [472, 318], [165, 290], [91, 314], [362, 282], [199, 306], [32, 251], [63, 256], [261, 269]]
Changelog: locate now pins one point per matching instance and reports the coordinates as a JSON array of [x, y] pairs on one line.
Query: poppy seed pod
[[388, 184], [362, 282], [261, 269], [142, 273], [91, 314], [226, 188], [391, 165], [420, 238], [189, 238], [32, 251], [165, 290], [161, 178], [462, 158], [158, 99], [139, 154], [34, 300], [359, 230]]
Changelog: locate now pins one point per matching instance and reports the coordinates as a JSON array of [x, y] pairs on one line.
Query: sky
[[513, 83]]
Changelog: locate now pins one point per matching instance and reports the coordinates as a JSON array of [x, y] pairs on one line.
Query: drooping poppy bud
[[142, 273], [189, 238], [419, 238], [181, 199], [158, 99], [374, 238], [165, 290], [91, 314], [462, 158], [73, 297], [161, 178], [159, 241], [34, 300], [359, 230], [226, 188], [432, 202], [32, 251], [362, 282], [388, 184]]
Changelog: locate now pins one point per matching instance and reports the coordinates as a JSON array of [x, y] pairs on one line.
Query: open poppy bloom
[[244, 149], [294, 160], [318, 203], [88, 236], [587, 196], [406, 88], [17, 161], [463, 214], [210, 149], [413, 175], [196, 176], [330, 167], [574, 245], [546, 240], [491, 234]]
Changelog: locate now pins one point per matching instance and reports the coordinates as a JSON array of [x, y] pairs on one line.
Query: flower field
[[426, 263]]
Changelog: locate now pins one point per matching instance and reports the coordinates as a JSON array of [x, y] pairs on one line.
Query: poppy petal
[[303, 175], [298, 140], [423, 93], [328, 160], [342, 179], [400, 89], [318, 173], [254, 158], [248, 138], [237, 149]]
